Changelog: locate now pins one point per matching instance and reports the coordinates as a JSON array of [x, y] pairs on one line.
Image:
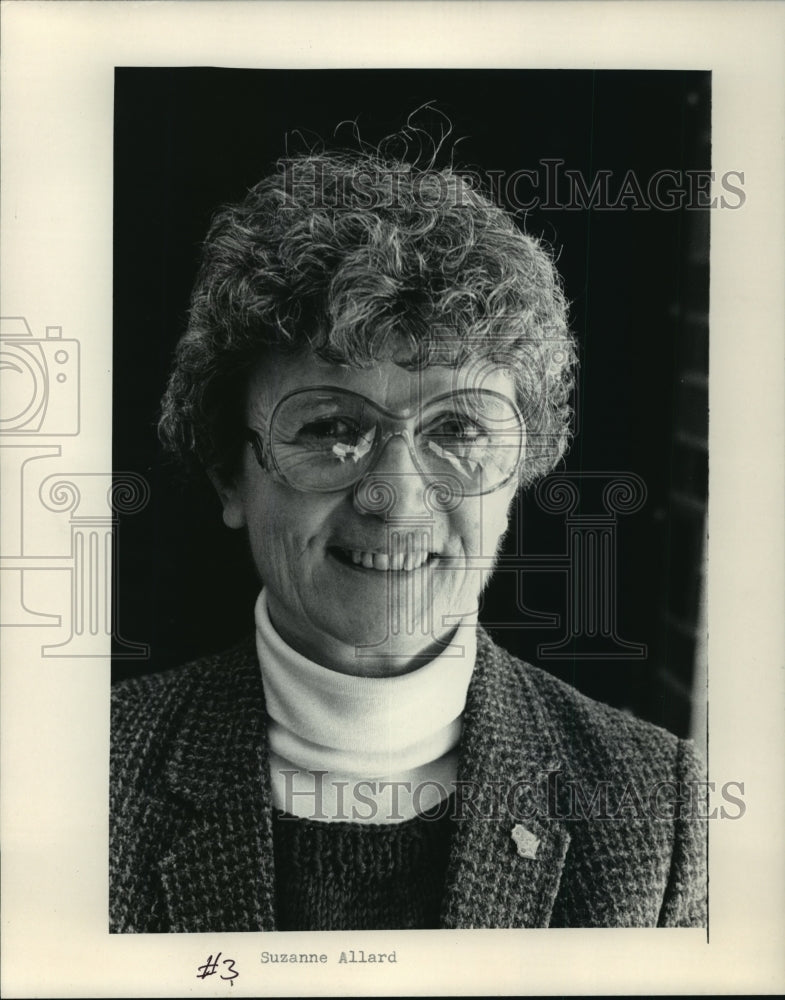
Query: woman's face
[[328, 562]]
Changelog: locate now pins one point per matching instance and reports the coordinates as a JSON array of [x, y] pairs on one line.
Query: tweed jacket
[[559, 826]]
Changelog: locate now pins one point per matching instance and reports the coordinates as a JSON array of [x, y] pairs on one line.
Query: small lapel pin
[[525, 841]]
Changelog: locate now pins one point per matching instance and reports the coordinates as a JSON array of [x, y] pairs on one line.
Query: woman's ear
[[231, 499]]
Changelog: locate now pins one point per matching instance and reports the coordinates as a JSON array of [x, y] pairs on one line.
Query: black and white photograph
[[390, 426], [438, 345]]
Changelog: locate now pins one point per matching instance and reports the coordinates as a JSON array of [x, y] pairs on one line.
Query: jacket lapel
[[507, 853], [218, 872]]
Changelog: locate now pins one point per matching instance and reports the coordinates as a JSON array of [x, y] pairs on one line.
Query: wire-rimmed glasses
[[323, 439]]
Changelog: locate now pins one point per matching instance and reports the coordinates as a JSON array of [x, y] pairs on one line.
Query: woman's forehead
[[386, 383]]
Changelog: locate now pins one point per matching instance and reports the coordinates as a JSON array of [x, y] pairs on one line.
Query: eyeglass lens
[[329, 438]]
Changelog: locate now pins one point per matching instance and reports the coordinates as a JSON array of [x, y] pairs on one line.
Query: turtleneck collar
[[374, 730]]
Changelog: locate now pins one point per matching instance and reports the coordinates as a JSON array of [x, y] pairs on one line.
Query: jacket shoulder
[[180, 683], [150, 711], [587, 735]]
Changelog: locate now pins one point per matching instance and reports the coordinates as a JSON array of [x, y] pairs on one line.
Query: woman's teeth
[[406, 561]]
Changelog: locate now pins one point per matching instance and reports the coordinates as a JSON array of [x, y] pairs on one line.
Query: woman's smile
[[392, 562]]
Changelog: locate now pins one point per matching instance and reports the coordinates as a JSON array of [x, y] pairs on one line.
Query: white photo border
[[58, 66]]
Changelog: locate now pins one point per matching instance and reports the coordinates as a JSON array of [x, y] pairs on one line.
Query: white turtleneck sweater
[[362, 749]]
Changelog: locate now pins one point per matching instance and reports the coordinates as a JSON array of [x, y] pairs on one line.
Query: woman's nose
[[394, 488]]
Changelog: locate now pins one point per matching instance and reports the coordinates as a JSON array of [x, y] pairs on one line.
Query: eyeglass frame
[[255, 438]]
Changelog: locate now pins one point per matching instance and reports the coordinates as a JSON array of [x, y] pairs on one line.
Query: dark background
[[187, 140]]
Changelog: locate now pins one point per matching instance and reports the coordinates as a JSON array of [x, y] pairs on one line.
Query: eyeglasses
[[323, 439]]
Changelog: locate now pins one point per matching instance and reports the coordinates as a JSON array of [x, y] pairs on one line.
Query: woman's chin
[[375, 653], [362, 635]]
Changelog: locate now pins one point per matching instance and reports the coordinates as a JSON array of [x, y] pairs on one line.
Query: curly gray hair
[[337, 253]]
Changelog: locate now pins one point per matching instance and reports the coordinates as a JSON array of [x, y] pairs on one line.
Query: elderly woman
[[377, 360]]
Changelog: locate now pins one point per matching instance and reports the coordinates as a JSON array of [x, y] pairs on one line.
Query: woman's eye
[[329, 430], [460, 429]]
